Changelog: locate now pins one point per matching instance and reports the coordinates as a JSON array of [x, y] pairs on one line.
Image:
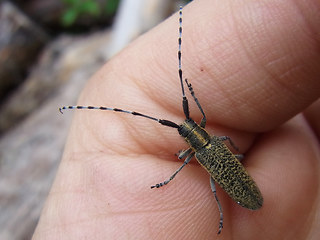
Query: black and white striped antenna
[[161, 121], [185, 104]]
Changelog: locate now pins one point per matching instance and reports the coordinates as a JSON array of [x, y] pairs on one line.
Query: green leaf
[[69, 17], [111, 6], [90, 7]]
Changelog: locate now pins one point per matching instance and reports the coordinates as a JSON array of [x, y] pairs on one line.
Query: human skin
[[255, 68]]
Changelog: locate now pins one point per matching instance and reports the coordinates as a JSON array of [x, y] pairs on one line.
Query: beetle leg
[[226, 138], [176, 172], [239, 156], [213, 188], [184, 153], [204, 119]]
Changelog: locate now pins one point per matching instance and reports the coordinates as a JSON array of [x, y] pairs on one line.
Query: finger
[[253, 65], [257, 64], [312, 115], [285, 165]]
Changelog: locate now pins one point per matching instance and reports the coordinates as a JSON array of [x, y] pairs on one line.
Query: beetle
[[210, 151]]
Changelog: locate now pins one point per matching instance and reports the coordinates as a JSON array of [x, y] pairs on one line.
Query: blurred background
[[48, 50]]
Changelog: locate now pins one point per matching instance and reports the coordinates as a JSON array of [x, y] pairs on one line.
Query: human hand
[[253, 66]]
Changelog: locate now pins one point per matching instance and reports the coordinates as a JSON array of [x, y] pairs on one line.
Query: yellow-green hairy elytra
[[211, 152]]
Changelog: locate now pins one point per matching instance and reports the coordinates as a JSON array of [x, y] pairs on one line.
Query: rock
[[30, 153], [20, 42], [56, 63]]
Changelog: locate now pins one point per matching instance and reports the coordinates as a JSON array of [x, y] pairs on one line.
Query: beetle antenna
[[185, 104], [161, 121]]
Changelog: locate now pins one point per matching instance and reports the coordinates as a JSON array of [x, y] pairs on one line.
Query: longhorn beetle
[[211, 152]]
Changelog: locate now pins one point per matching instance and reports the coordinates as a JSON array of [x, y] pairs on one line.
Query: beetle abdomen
[[229, 173]]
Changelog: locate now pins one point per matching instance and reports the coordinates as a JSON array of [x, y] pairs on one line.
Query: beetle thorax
[[196, 136]]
